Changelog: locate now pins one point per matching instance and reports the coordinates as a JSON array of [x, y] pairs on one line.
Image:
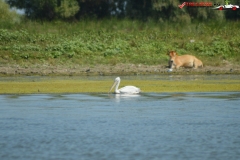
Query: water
[[101, 126]]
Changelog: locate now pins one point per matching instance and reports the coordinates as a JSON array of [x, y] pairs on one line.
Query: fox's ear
[[171, 53]]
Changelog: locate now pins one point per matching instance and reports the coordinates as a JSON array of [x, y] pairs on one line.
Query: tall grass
[[117, 41]]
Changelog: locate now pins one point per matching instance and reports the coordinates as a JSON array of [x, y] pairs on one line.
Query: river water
[[100, 126]]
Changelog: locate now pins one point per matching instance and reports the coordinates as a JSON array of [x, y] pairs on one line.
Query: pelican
[[124, 90]]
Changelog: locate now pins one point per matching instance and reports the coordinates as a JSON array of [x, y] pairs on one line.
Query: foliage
[[169, 10], [67, 8], [159, 10], [47, 9], [7, 15], [113, 41]]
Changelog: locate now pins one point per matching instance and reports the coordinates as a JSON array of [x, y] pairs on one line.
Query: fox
[[187, 61]]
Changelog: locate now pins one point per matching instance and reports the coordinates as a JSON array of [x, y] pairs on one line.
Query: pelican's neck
[[116, 88]]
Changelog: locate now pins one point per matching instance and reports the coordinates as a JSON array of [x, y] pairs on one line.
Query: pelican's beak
[[112, 86]]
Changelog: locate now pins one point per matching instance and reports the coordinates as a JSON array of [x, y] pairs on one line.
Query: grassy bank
[[76, 86], [116, 41]]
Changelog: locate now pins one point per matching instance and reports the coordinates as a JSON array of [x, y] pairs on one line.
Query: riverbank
[[102, 84], [117, 70], [70, 79]]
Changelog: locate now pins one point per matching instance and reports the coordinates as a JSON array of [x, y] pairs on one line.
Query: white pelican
[[124, 90]]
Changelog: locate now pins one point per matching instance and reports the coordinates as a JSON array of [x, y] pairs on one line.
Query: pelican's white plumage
[[124, 90]]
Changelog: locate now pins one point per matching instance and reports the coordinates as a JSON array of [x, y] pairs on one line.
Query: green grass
[[88, 86], [114, 41]]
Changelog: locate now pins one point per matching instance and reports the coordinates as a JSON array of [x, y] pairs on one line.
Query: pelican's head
[[116, 81]]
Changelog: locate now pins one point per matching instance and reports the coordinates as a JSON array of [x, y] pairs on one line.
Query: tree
[[67, 8], [6, 14], [140, 9], [205, 13], [160, 10], [95, 8], [47, 9], [169, 10]]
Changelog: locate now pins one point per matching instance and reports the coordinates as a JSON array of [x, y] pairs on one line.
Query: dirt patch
[[119, 69]]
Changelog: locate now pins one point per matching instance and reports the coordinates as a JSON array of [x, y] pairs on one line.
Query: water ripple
[[102, 126]]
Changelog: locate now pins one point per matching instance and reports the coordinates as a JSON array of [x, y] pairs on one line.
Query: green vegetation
[[7, 16], [117, 41], [101, 32], [159, 10], [76, 86], [143, 35]]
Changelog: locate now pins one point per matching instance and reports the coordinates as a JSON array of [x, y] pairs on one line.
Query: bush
[[8, 16]]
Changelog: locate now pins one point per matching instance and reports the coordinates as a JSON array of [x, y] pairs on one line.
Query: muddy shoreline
[[119, 69], [71, 85]]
